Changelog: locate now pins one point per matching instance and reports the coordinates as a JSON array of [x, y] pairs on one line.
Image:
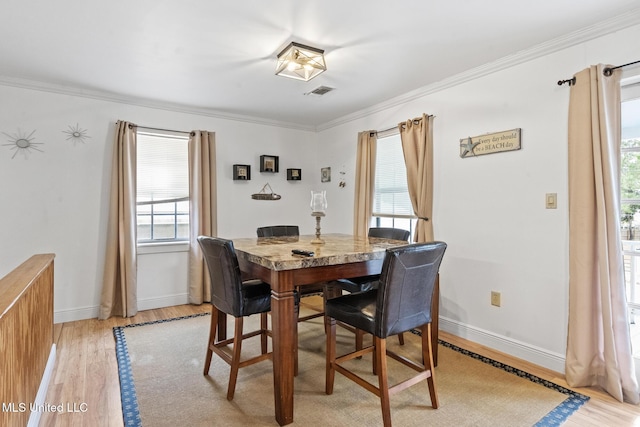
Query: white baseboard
[[163, 301], [83, 313], [34, 418], [533, 354], [71, 315]]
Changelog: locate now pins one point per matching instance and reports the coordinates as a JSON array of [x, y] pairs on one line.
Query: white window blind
[[391, 196], [163, 188], [162, 168]]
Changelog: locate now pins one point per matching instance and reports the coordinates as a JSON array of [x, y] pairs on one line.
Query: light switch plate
[[551, 200], [495, 298]]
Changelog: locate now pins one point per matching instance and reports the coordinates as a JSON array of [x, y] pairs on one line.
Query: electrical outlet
[[495, 298]]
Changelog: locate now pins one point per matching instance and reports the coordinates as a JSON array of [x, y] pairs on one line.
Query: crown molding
[[600, 29], [580, 36], [143, 102]]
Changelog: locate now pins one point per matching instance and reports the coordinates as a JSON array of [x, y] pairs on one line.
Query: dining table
[[340, 256]]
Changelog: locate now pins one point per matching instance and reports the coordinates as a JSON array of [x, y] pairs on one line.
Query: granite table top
[[275, 253]]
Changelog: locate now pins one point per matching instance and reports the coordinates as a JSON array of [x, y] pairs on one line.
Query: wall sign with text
[[490, 143]]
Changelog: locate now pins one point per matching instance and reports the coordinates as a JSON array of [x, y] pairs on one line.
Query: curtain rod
[[607, 72], [162, 130], [415, 122], [388, 129]]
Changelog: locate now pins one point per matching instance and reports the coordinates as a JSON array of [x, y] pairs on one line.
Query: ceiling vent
[[320, 90]]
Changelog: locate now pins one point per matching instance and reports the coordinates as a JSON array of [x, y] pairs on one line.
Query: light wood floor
[[86, 372]]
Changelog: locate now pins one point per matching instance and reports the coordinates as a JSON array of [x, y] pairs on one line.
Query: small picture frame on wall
[[294, 174], [325, 174], [241, 172], [269, 163]]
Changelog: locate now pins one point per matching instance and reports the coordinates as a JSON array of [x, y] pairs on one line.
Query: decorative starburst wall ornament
[[76, 134], [22, 143]]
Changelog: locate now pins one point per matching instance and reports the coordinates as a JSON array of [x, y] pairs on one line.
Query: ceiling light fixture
[[300, 62]]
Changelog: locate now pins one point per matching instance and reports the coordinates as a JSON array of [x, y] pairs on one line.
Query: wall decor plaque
[[294, 174], [508, 140], [325, 174], [241, 172], [269, 163]]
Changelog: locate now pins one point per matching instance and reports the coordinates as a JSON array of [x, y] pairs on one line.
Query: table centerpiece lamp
[[318, 208]]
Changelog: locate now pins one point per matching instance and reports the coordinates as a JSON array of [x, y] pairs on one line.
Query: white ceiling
[[219, 56]]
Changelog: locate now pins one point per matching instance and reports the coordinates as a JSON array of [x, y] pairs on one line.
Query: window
[[162, 187], [630, 203], [391, 203]]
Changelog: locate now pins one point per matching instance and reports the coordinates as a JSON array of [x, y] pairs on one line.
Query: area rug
[[160, 366]]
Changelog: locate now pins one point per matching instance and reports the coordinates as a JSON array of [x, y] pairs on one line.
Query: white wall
[[491, 209], [55, 200]]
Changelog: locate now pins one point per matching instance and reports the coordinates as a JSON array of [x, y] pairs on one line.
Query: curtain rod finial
[[571, 81]]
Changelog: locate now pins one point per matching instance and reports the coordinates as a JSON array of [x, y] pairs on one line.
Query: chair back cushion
[[406, 285], [390, 233], [226, 281], [278, 230]]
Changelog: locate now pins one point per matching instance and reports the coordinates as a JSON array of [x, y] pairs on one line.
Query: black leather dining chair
[[230, 295], [365, 283], [401, 302], [390, 233], [278, 231]]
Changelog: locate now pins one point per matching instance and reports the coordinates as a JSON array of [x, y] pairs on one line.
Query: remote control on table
[[301, 252]]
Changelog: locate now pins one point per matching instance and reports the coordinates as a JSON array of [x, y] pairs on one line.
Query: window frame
[[381, 219], [175, 244], [630, 90]]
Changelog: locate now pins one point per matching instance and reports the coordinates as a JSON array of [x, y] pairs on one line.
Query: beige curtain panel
[[202, 210], [417, 145], [119, 288], [598, 341], [365, 182]]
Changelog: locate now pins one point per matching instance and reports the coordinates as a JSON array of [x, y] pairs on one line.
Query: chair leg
[[427, 356], [222, 326], [263, 332], [324, 303], [401, 338], [296, 311], [359, 339], [374, 359], [329, 292], [381, 365], [212, 336], [331, 355], [235, 358]]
